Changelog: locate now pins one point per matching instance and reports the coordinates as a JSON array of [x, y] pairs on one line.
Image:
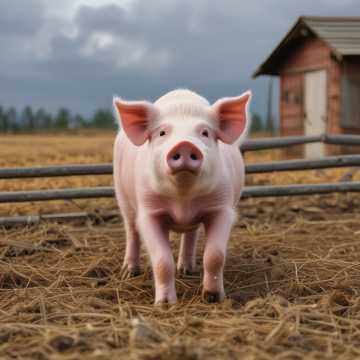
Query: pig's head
[[183, 131]]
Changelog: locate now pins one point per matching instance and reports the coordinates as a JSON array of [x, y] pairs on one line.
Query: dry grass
[[292, 278]]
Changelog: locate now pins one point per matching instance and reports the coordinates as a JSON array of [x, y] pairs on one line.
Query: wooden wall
[[350, 69], [309, 54]]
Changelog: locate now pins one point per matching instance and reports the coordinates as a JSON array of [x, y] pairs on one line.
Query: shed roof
[[341, 34]]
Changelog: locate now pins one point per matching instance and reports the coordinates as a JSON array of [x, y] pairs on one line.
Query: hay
[[292, 282], [292, 274]]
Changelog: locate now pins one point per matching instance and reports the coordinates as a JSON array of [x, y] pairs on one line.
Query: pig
[[177, 167]]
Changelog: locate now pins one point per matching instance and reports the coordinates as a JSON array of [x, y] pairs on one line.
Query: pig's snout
[[185, 156]]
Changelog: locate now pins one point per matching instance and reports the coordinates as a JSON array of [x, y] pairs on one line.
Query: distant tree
[[12, 118], [62, 119], [103, 119], [28, 118], [79, 122], [40, 118], [256, 123], [4, 122], [48, 121]]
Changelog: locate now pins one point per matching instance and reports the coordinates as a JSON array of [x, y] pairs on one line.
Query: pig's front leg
[[217, 227], [156, 238]]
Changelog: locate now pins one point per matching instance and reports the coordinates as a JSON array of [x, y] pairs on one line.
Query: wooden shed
[[318, 62]]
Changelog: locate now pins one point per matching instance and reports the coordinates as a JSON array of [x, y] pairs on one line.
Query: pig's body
[[154, 201], [181, 213]]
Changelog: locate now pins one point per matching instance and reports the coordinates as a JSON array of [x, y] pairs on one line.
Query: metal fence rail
[[278, 142], [294, 190], [250, 191], [107, 169], [35, 219], [52, 171], [303, 164], [108, 191], [57, 194], [342, 139]]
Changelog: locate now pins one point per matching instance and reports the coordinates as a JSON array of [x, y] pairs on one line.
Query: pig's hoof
[[128, 272], [212, 297], [165, 303], [186, 271]]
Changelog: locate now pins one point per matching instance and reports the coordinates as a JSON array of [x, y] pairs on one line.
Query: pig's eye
[[162, 133], [205, 133]]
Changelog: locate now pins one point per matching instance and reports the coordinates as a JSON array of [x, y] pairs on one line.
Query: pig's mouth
[[183, 172], [184, 178], [184, 175]]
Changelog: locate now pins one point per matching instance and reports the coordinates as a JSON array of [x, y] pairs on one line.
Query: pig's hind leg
[[186, 261]]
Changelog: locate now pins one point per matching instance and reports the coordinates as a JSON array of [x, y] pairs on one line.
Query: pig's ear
[[135, 118], [232, 117]]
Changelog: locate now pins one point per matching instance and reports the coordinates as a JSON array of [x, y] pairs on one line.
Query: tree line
[[30, 119]]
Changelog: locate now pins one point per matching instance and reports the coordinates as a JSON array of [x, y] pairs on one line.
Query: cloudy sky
[[78, 53]]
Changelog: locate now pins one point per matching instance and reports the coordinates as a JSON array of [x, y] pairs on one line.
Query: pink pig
[[177, 165]]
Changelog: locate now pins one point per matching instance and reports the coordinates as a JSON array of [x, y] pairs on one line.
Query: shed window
[[351, 104]]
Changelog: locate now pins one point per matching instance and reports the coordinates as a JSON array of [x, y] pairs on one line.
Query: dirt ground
[[291, 277]]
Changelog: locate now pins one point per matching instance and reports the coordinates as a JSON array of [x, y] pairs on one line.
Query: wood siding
[[351, 75], [310, 54], [350, 69]]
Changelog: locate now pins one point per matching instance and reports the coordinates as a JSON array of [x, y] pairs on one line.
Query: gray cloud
[[19, 19], [210, 47]]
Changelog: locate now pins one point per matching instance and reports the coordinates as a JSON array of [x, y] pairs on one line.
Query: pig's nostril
[[176, 157], [193, 156]]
